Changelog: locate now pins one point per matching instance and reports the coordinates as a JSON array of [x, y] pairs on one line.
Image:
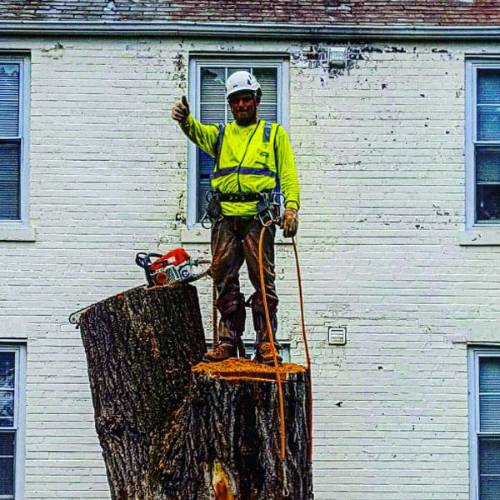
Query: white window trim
[[194, 229], [20, 230], [473, 370], [471, 68], [19, 413]]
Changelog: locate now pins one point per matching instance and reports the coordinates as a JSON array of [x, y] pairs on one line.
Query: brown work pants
[[236, 240]]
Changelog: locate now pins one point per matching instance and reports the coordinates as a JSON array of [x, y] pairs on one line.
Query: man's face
[[244, 107]]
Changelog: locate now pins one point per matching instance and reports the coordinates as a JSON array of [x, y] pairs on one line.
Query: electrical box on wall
[[337, 335]]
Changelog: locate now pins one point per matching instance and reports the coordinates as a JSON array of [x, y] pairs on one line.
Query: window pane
[[7, 443], [488, 122], [487, 164], [489, 488], [9, 180], [7, 476], [488, 104], [489, 467], [212, 110], [489, 410], [489, 394], [206, 164], [7, 372], [268, 79], [212, 113], [488, 203], [9, 100], [212, 99], [7, 460], [489, 374], [488, 86], [6, 408], [212, 84]]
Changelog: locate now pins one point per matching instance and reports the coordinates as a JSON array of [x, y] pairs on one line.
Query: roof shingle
[[314, 12]]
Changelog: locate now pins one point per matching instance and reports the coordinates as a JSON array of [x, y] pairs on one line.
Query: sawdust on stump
[[235, 369]]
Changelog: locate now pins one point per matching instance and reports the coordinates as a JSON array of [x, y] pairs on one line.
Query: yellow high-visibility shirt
[[248, 163]]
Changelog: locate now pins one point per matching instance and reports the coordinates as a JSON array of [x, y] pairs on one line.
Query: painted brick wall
[[380, 148]]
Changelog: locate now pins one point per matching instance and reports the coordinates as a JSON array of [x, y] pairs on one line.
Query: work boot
[[223, 350], [264, 354]]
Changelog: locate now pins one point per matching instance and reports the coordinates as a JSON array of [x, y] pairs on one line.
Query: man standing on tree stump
[[253, 160]]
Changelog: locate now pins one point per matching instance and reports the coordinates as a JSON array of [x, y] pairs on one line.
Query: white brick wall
[[382, 173]]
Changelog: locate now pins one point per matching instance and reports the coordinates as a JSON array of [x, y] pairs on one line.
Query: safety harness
[[269, 201]]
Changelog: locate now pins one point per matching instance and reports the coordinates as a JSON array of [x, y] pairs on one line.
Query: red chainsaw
[[173, 268]]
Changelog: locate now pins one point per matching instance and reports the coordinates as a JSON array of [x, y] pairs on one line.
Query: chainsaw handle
[[143, 259]]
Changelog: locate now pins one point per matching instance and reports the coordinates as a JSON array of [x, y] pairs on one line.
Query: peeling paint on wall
[[315, 56], [55, 52], [180, 70]]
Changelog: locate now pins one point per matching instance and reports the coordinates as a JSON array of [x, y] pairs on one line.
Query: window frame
[[280, 61], [24, 114], [19, 415], [471, 70], [475, 354]]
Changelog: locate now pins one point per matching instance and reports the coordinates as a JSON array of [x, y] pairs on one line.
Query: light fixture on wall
[[337, 56]]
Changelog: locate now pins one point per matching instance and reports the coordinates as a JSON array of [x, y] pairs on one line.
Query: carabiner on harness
[[269, 207], [213, 212]]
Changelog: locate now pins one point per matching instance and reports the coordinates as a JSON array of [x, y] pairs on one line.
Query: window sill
[[479, 237], [16, 231], [198, 234]]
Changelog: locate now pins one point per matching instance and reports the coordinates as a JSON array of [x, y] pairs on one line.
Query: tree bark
[[170, 431]]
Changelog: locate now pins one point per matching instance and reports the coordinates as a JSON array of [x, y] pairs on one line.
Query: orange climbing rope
[[308, 357], [275, 354], [215, 331], [271, 339]]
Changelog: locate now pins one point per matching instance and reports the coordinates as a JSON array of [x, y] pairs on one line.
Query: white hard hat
[[242, 80]]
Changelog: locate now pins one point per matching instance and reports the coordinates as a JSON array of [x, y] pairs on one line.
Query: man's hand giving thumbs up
[[180, 111]]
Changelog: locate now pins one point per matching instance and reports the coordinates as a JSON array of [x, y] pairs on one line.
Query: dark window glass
[[488, 157], [489, 418], [10, 142]]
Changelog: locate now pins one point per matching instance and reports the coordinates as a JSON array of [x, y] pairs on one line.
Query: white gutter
[[247, 30]]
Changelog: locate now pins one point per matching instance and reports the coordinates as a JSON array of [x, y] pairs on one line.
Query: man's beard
[[244, 122]]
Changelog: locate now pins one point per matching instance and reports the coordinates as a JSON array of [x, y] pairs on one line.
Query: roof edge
[[247, 30]]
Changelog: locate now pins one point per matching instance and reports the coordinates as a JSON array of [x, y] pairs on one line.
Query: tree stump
[[171, 427]]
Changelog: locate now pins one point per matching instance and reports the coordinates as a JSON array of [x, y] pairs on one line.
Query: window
[[208, 103], [13, 175], [483, 143], [484, 369], [12, 362]]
